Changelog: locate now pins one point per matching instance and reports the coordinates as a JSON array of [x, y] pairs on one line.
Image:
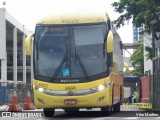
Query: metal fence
[[155, 82], [21, 91]]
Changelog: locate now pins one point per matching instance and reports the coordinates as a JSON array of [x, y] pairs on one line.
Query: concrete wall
[[2, 34], [147, 63]]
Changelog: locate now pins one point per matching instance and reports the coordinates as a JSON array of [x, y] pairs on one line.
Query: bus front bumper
[[98, 99]]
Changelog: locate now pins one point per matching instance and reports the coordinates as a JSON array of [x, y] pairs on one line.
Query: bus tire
[[106, 111], [48, 112]]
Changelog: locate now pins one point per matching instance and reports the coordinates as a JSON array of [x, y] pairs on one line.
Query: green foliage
[[149, 54], [137, 61], [139, 10]]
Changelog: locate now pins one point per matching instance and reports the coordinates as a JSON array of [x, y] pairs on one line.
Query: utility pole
[[154, 20], [153, 62]]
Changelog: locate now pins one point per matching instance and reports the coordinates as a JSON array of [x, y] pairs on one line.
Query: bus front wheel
[[48, 112], [106, 111]]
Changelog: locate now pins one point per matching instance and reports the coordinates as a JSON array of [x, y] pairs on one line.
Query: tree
[[139, 10], [149, 54], [137, 61]]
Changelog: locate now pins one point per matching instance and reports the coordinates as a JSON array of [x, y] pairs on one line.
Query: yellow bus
[[77, 62]]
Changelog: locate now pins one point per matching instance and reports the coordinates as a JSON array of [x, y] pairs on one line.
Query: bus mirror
[[28, 41], [109, 43]]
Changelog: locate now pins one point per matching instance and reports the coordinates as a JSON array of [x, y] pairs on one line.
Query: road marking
[[128, 118]]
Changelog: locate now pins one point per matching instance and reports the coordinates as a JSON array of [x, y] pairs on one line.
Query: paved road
[[90, 115]]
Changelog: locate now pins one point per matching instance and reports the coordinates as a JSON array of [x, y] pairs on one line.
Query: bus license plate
[[70, 101]]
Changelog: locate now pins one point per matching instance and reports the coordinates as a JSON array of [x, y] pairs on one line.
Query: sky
[[28, 12]]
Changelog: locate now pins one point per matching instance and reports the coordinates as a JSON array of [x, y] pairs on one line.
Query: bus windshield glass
[[66, 52]]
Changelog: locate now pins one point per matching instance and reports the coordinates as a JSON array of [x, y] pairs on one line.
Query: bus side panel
[[117, 80]]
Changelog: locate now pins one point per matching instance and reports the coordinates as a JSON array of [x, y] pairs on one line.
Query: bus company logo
[[69, 81], [70, 93]]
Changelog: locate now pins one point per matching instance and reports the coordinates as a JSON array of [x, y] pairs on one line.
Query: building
[[129, 48], [147, 42], [152, 40], [15, 66], [136, 33]]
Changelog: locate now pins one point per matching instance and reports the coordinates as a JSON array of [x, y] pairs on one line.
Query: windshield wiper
[[58, 68], [82, 66]]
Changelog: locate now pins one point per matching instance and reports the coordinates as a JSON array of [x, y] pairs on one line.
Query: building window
[[19, 60], [9, 43], [9, 60], [28, 61], [19, 44]]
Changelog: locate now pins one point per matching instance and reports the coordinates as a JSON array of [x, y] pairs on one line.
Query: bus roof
[[75, 17]]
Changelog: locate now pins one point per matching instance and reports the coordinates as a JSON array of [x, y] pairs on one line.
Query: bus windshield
[[68, 52]]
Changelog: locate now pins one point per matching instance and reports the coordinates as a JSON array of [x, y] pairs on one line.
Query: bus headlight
[[39, 89], [101, 87]]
